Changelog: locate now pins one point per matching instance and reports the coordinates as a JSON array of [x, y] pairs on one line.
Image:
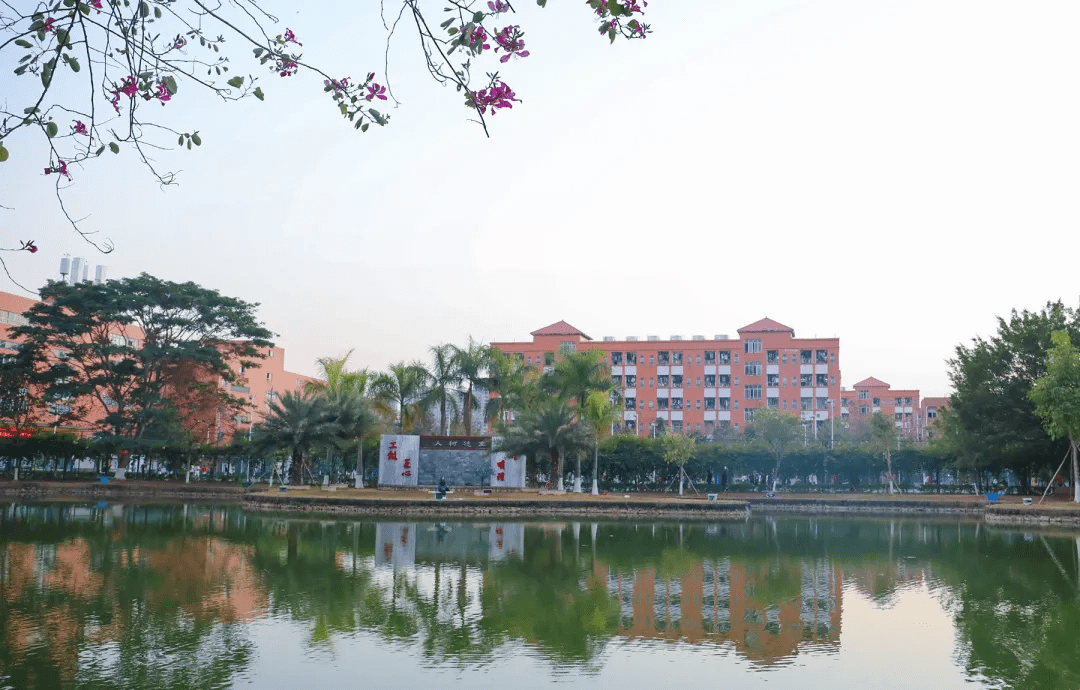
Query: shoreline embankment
[[374, 502]]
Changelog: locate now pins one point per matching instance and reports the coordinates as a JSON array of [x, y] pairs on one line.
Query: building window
[[662, 381], [806, 403], [752, 392], [736, 359], [698, 359], [631, 358], [725, 357], [806, 380], [752, 368], [863, 409], [676, 381], [907, 402], [271, 354], [736, 381], [631, 403], [832, 358], [723, 380], [616, 359], [708, 428], [676, 358], [772, 380], [641, 405], [822, 380], [269, 376], [710, 358], [663, 357], [749, 415], [877, 402], [899, 416], [931, 413], [676, 403], [567, 347], [806, 356], [661, 403], [650, 382], [773, 403], [723, 403], [697, 404], [822, 403], [651, 362], [864, 395], [710, 403], [710, 380], [650, 404], [697, 382], [736, 404], [783, 359], [832, 380], [772, 356], [549, 359], [616, 379], [822, 356], [752, 346], [528, 360], [676, 426], [631, 380], [630, 425], [785, 406]]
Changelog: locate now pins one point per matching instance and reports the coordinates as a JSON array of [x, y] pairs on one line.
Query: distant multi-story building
[[931, 414], [872, 395], [698, 384]]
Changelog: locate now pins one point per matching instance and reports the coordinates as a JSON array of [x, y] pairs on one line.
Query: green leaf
[[452, 30], [20, 69], [447, 23], [144, 9], [258, 92], [258, 52], [170, 85], [542, 3], [23, 44], [236, 82], [100, 151], [196, 140], [478, 17], [363, 127], [180, 141], [114, 147], [3, 153], [51, 130], [29, 111], [73, 64], [157, 12]]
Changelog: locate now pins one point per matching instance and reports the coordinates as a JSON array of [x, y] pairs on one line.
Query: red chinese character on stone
[[407, 463], [388, 550], [501, 476], [406, 473], [393, 444], [392, 455], [501, 464]]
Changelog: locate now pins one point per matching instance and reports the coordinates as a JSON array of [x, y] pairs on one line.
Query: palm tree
[[576, 376], [600, 412], [296, 424], [404, 386], [473, 363], [550, 427], [445, 378], [347, 392], [513, 383]]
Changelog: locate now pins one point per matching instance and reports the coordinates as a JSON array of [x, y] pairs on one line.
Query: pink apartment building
[[700, 385]]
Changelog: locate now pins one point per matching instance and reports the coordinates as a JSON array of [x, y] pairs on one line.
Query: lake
[[199, 596]]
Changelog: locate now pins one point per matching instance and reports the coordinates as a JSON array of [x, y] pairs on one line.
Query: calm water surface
[[162, 596]]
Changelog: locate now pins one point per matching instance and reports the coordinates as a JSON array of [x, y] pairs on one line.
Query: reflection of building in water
[[767, 611], [403, 544]]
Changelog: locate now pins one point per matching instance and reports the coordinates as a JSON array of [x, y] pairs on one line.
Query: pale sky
[[894, 173]]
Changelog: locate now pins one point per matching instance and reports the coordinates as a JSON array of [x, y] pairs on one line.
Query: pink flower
[[179, 43], [162, 93], [477, 38], [290, 37], [376, 91], [48, 28], [28, 245], [60, 167], [370, 76], [96, 4], [116, 101], [80, 128], [512, 40], [496, 97], [337, 85], [498, 6], [129, 87], [287, 68]]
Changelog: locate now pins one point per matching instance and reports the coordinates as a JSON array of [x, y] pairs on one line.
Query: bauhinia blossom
[[290, 37], [162, 93], [376, 91], [49, 28], [60, 167], [28, 245], [80, 128], [498, 96], [287, 68], [498, 6], [512, 40]]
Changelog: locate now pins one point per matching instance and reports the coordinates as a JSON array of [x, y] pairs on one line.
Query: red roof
[[560, 328], [767, 325], [871, 383]]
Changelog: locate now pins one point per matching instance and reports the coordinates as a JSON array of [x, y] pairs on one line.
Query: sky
[[893, 173]]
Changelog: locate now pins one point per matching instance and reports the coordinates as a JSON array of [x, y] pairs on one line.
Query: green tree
[[296, 423], [404, 385], [883, 440], [127, 350], [445, 379], [576, 376], [348, 392], [778, 432], [550, 427], [678, 449], [991, 418], [599, 412], [1056, 395], [473, 364]]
